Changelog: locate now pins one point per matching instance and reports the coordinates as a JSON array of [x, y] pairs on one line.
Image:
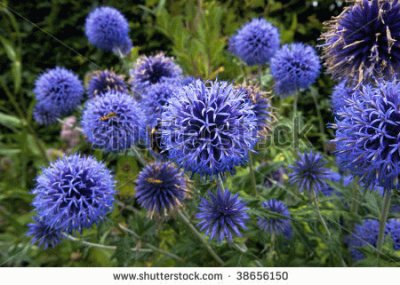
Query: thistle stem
[[321, 218], [382, 221], [252, 174], [320, 121], [103, 246], [149, 245], [220, 183], [186, 220]]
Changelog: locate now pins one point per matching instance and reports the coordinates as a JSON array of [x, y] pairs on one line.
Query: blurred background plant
[[37, 35]]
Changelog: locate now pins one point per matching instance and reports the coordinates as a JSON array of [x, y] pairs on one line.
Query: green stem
[[382, 220], [252, 174], [320, 121], [103, 246], [139, 156], [220, 182], [149, 245], [186, 220], [321, 218]]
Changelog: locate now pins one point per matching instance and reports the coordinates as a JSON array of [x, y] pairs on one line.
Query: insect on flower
[[108, 116]]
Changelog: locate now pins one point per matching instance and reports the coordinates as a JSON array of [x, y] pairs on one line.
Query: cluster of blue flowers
[[209, 128]]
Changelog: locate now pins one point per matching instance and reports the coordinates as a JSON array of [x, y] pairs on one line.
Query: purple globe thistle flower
[[188, 80], [107, 29], [363, 42], [280, 225], [209, 128], [58, 92], [160, 188], [261, 107], [44, 116], [294, 67], [255, 42], [393, 228], [367, 135], [309, 172], [44, 235], [112, 122], [150, 70], [364, 234], [222, 215], [153, 100], [105, 81], [73, 193], [341, 93]]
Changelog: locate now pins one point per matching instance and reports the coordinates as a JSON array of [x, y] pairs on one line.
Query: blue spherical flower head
[[150, 70], [222, 215], [44, 235], [309, 172], [73, 193], [112, 122], [261, 107], [104, 81], [209, 128], [393, 229], [160, 188], [44, 116], [58, 92], [256, 42], [153, 100], [341, 94], [294, 67], [363, 42], [367, 135], [364, 234], [107, 29], [276, 225]]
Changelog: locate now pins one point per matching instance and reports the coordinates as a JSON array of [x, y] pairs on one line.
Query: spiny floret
[[160, 188], [73, 193], [364, 235], [209, 128], [393, 229], [255, 42], [309, 172], [222, 215], [261, 107], [107, 29], [58, 92], [341, 93], [278, 225], [368, 135], [294, 67], [44, 235], [149, 70], [112, 122], [363, 42], [104, 81]]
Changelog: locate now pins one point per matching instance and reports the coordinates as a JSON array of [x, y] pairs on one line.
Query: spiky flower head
[[341, 93], [154, 98], [149, 70], [160, 188], [294, 67], [222, 215], [43, 235], [255, 42], [104, 81], [73, 193], [209, 128], [58, 92], [279, 224], [364, 235], [309, 172], [112, 122], [261, 107], [393, 229], [44, 116], [363, 42], [367, 135], [107, 29]]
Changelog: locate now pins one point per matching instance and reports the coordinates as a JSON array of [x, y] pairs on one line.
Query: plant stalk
[[382, 221]]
